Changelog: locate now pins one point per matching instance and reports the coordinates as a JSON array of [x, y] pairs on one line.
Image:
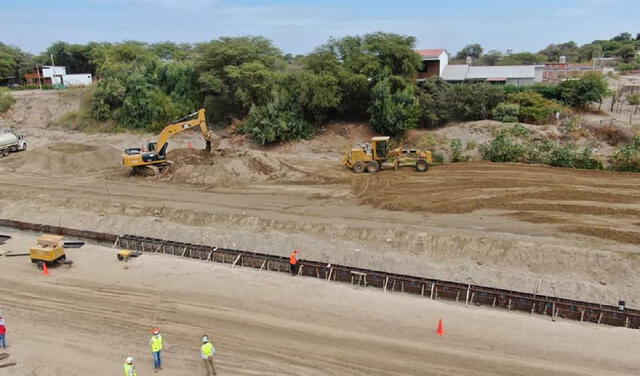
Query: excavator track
[[428, 288]]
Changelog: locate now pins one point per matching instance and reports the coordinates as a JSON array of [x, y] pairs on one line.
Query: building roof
[[434, 53], [489, 73], [455, 72]]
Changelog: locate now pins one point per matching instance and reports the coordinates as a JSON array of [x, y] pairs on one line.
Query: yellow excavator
[[154, 159]]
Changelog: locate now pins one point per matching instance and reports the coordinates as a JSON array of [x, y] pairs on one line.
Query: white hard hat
[[129, 360], [205, 339]]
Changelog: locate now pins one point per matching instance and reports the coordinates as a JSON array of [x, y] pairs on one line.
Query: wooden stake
[[263, 264], [432, 286], [386, 280], [236, 260], [466, 302]]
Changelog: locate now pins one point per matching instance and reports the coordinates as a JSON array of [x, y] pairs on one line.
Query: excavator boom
[[151, 161]]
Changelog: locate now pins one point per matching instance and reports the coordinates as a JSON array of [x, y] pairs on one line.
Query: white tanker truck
[[11, 141]]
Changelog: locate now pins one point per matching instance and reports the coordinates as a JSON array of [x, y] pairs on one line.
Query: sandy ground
[[558, 232], [86, 319]]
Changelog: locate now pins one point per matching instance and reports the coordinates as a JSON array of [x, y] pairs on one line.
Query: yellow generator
[[370, 157], [50, 250]]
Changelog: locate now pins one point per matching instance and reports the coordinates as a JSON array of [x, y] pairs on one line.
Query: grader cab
[[371, 157]]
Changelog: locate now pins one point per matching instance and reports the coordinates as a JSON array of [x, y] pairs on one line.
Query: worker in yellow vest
[[129, 368], [206, 352], [156, 348]]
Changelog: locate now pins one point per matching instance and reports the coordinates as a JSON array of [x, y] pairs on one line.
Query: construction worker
[[206, 352], [293, 262], [129, 368], [156, 348], [3, 333]]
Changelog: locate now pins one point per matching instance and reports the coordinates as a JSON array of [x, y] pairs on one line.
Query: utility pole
[[53, 69]]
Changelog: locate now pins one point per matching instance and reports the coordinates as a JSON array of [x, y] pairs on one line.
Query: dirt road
[[87, 319]]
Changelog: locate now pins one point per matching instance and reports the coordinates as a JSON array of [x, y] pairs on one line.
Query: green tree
[[522, 58], [626, 52], [224, 64], [14, 62], [568, 50], [393, 110], [589, 51], [591, 87], [470, 50], [622, 37], [492, 57], [75, 57]]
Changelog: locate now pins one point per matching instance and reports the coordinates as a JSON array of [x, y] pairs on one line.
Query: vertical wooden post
[[466, 301], [432, 286], [386, 280]]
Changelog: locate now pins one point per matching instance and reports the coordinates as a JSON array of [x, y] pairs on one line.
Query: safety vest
[[293, 259], [207, 349], [156, 343], [129, 370]]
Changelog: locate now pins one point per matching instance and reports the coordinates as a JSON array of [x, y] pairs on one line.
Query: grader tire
[[373, 167], [359, 167], [422, 165]]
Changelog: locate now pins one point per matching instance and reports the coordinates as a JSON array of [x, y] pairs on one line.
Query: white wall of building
[[81, 79], [50, 71], [444, 61]]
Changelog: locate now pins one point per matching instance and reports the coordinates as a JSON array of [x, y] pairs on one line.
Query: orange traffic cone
[[440, 329], [45, 270]]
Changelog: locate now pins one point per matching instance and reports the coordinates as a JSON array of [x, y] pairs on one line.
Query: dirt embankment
[[65, 158], [225, 168]]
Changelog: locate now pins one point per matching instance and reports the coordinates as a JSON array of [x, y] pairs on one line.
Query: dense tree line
[[281, 97], [623, 46]]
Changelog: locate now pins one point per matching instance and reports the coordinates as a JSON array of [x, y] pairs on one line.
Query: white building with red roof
[[433, 62]]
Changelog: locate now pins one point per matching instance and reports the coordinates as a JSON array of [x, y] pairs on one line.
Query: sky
[[300, 26]]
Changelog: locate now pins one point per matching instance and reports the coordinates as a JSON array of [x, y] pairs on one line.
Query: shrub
[[279, 120], [503, 148], [625, 67], [456, 151], [471, 101], [627, 158], [506, 112], [6, 101], [613, 134], [513, 144], [533, 107]]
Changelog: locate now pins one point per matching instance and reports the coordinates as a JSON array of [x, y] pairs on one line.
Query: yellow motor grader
[[370, 157]]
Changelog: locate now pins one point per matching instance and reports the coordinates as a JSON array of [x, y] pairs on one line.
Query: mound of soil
[[66, 158], [232, 168]]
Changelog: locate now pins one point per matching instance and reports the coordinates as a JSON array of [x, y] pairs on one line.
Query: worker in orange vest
[[293, 262]]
